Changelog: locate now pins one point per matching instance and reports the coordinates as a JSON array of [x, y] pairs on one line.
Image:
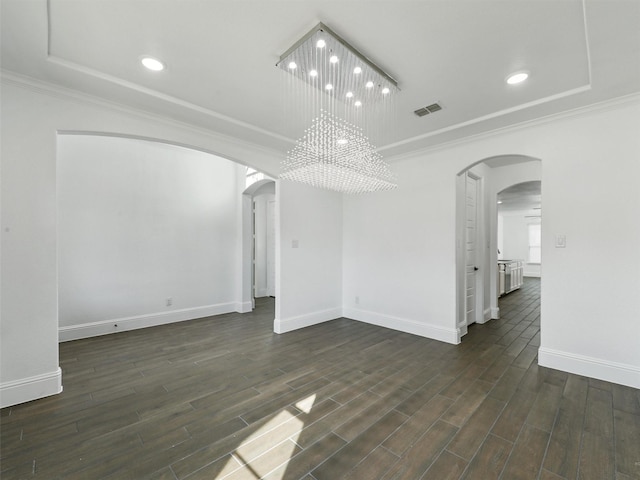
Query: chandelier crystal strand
[[342, 99]]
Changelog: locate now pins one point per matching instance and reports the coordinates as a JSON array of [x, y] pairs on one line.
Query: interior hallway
[[225, 396]]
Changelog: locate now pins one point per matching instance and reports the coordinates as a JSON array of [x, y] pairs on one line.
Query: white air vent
[[421, 112]]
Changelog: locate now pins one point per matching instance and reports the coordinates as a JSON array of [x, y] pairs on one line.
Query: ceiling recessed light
[[385, 90], [349, 94], [357, 70], [320, 43], [517, 77], [342, 141], [152, 64], [313, 73], [328, 86], [292, 65], [333, 59], [369, 84], [358, 103]]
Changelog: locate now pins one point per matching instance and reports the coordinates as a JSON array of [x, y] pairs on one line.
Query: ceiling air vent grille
[[421, 112]]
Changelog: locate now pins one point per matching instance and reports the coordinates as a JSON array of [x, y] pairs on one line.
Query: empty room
[[317, 240]]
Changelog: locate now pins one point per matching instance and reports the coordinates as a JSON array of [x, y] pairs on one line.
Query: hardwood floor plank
[[563, 452], [627, 443], [407, 435], [341, 415], [265, 463], [308, 459], [626, 399], [374, 466], [355, 451], [545, 407], [596, 458], [510, 422], [355, 426], [466, 405], [424, 394], [446, 467], [528, 452], [508, 383], [473, 433], [422, 454], [599, 414], [490, 459]]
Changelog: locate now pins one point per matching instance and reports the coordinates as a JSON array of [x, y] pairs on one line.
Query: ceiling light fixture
[[334, 151], [152, 64], [517, 77]]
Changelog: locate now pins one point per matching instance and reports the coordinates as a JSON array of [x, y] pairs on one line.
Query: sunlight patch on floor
[[269, 447]]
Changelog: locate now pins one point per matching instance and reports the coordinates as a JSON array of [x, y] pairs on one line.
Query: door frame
[[481, 261]]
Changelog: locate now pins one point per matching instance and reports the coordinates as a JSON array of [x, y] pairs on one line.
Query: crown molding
[[490, 116], [605, 105], [161, 96], [57, 91]]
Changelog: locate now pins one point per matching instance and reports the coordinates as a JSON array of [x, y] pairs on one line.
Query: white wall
[[140, 223], [399, 252], [309, 254], [400, 247]]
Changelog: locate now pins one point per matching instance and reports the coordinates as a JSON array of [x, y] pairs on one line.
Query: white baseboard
[[448, 335], [262, 292], [620, 373], [495, 313], [283, 325], [486, 316], [531, 274], [30, 388], [103, 327], [244, 307]]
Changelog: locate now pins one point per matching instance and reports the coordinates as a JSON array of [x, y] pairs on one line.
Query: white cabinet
[[510, 275]]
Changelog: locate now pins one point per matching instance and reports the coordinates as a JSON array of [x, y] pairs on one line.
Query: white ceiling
[[522, 197], [221, 57]]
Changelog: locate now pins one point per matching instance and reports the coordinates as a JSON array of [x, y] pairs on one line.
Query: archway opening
[[477, 224], [148, 233], [259, 238]]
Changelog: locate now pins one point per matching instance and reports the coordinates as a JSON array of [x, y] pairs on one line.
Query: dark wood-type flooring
[[225, 397]]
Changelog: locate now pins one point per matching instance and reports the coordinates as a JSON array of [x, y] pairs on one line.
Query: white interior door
[[471, 246], [271, 248]]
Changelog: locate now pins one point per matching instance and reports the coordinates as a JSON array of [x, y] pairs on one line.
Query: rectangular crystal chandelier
[[343, 99]]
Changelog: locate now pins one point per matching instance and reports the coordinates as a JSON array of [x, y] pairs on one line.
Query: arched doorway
[[478, 185], [259, 237]]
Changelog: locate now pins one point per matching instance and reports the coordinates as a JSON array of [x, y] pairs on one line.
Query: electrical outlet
[[169, 301]]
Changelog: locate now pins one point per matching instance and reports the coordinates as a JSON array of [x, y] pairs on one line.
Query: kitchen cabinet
[[510, 275]]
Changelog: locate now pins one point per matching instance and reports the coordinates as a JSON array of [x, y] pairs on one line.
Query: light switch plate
[[561, 241]]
